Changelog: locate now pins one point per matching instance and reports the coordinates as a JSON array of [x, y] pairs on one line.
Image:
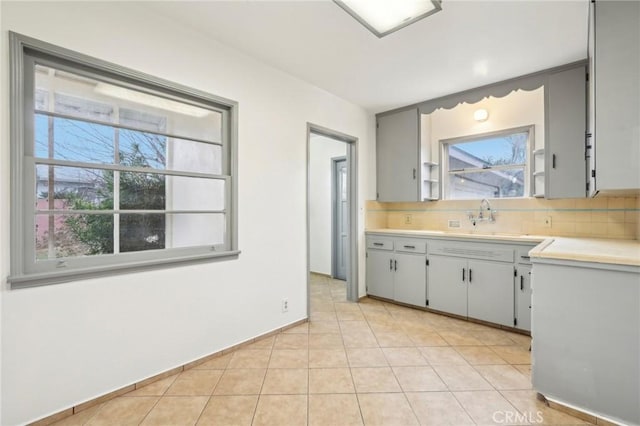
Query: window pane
[[42, 100], [143, 121], [142, 191], [184, 155], [487, 184], [184, 193], [196, 229], [74, 140], [494, 151], [142, 149], [60, 236], [74, 188], [83, 108], [139, 232]]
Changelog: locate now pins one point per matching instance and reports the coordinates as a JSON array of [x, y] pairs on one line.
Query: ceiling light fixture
[[382, 17], [481, 115]]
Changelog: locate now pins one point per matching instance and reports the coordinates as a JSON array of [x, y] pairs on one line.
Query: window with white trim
[[491, 165], [113, 169]]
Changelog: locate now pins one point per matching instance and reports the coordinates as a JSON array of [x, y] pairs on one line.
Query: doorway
[[331, 212]]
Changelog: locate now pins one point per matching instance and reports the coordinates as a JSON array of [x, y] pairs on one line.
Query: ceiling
[[468, 44]]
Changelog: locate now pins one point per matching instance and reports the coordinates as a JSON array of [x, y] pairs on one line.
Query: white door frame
[[352, 219], [335, 207]]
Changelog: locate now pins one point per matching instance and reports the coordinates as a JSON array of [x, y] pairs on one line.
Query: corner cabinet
[[615, 86], [398, 153]]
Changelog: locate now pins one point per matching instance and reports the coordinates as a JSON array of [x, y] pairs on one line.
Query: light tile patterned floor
[[370, 363]]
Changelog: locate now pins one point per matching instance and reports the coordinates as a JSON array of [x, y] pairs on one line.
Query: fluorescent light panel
[[383, 17]]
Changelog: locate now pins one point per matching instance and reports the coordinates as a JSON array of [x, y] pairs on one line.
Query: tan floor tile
[[347, 307], [479, 355], [250, 358], [427, 339], [324, 327], [442, 356], [376, 379], [527, 403], [124, 411], [350, 316], [513, 354], [493, 337], [525, 370], [229, 411], [292, 341], [330, 380], [393, 339], [359, 340], [438, 409], [279, 410], [404, 356], [154, 389], [520, 339], [323, 316], [386, 409], [319, 358], [195, 382], [318, 306], [298, 329], [489, 408], [217, 363], [289, 358], [366, 357], [80, 418], [355, 327], [332, 410], [418, 379], [504, 377], [176, 410], [240, 382], [461, 377], [289, 381], [459, 339], [325, 341]]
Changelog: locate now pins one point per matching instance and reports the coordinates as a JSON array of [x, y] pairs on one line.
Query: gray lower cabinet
[[522, 293], [490, 291], [396, 270], [448, 284]]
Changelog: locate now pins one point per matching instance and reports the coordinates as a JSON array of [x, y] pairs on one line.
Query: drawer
[[522, 255], [379, 243], [411, 246]]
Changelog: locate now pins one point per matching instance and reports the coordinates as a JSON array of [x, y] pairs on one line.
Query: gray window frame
[[25, 271], [444, 159]]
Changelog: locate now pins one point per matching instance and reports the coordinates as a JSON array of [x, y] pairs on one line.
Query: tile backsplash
[[600, 217]]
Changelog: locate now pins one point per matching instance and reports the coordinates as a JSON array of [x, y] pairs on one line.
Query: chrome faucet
[[485, 207]]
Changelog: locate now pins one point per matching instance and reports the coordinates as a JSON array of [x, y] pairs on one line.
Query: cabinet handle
[[414, 174], [525, 257], [553, 161], [463, 272], [378, 244], [410, 247], [469, 275], [521, 282], [395, 265], [391, 264]]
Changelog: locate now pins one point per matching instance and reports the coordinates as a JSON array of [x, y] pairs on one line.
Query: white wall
[[322, 150], [67, 343]]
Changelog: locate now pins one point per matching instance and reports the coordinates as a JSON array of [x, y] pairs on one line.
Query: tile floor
[[370, 363]]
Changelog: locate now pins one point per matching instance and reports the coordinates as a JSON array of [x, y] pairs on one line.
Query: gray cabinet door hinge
[[426, 303], [515, 322]]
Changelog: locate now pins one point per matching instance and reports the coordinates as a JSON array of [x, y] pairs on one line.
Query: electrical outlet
[[285, 305], [454, 224], [547, 222], [408, 219]]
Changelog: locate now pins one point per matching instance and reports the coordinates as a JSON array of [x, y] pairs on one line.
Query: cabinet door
[[565, 127], [380, 274], [397, 151], [410, 280], [448, 284], [523, 297], [490, 294], [617, 89]]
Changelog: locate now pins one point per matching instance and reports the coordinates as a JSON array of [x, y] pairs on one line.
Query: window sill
[[58, 277]]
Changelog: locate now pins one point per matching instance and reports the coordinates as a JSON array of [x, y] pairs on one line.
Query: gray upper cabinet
[[565, 128], [616, 106], [398, 156]]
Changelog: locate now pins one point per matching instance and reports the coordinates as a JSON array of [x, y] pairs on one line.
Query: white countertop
[[600, 250]]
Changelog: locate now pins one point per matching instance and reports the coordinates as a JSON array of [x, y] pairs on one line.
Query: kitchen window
[[114, 170], [490, 165]]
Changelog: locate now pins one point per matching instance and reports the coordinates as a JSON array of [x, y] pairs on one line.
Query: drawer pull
[[410, 247], [525, 257], [521, 282], [378, 244], [391, 264], [469, 275], [463, 274], [395, 265]]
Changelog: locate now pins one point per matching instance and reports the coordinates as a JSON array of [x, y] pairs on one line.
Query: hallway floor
[[370, 363]]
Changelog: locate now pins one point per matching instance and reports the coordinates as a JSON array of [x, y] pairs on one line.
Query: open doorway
[[331, 214]]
